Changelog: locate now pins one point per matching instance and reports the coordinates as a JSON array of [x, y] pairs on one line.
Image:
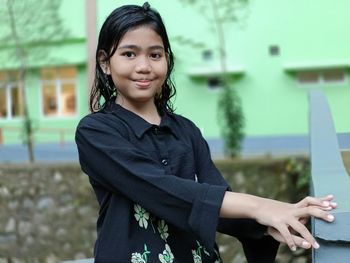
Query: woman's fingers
[[294, 226], [301, 242], [299, 225], [316, 212], [324, 202], [287, 236], [329, 198], [298, 241], [285, 218], [304, 232], [302, 214]]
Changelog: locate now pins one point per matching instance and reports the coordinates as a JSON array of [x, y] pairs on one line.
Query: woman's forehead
[[142, 35]]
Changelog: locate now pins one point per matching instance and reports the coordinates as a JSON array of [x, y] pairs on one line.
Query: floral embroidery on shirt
[[197, 254], [167, 256], [141, 216], [138, 258], [163, 229], [196, 258]]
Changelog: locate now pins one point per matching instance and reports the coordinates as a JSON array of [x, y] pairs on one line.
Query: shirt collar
[[137, 123]]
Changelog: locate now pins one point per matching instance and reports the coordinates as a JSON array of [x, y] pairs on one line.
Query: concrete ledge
[[329, 176]]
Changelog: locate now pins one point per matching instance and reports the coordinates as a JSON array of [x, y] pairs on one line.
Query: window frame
[[58, 84], [321, 79], [8, 86]]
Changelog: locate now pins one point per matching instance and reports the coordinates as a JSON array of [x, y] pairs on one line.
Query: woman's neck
[[147, 111]]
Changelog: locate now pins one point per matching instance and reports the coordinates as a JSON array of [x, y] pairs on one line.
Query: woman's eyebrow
[[135, 47], [129, 47], [156, 47]]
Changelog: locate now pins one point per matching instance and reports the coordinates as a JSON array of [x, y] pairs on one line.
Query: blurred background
[[243, 70]]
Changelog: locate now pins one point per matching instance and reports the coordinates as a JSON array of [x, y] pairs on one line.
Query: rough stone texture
[[48, 212]]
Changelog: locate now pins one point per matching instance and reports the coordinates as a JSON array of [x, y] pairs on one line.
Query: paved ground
[[252, 147], [42, 152]]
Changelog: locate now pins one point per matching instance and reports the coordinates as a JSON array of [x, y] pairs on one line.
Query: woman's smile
[[143, 83]]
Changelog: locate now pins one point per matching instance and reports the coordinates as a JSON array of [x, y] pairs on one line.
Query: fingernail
[[325, 203], [330, 218], [316, 245], [334, 204], [330, 196], [293, 248]]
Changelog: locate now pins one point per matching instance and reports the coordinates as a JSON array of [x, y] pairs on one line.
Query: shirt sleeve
[[119, 166], [208, 173]]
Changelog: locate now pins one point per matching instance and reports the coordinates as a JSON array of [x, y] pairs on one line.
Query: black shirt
[[158, 189]]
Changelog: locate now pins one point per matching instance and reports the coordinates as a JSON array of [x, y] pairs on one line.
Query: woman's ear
[[103, 62]]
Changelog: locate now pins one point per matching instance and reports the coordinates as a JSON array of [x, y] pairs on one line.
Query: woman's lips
[[143, 82]]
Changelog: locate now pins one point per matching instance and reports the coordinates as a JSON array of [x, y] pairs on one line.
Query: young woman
[[161, 197]]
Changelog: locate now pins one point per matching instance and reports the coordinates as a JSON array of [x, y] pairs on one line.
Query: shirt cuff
[[205, 215]]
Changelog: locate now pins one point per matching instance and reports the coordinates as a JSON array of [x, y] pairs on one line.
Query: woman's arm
[[241, 228], [282, 218]]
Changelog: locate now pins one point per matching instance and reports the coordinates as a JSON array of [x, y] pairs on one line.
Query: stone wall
[[48, 212]]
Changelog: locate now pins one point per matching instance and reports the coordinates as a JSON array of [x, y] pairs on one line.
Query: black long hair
[[120, 21]]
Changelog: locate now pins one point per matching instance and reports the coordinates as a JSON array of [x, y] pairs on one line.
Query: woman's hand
[[298, 241], [288, 223], [322, 202]]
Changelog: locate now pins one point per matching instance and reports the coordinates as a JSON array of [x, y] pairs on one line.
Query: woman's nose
[[143, 65]]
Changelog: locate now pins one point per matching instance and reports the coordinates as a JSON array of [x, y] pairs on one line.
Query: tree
[[231, 119], [25, 26]]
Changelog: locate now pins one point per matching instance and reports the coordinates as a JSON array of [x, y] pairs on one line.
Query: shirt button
[[165, 162], [155, 130]]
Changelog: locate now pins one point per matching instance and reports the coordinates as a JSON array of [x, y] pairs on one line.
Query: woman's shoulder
[[95, 120], [183, 121], [90, 118]]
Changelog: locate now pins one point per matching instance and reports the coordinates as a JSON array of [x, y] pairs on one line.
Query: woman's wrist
[[239, 205]]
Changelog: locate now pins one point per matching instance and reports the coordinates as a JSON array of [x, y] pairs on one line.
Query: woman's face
[[138, 67]]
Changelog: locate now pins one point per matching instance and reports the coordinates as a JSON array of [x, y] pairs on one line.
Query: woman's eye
[[128, 54], [156, 55]]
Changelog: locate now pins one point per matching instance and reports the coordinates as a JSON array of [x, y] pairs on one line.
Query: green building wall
[[69, 52], [309, 34]]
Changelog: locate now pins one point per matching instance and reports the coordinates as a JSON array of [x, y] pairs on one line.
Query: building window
[[207, 55], [11, 100], [214, 83], [58, 91], [274, 50], [332, 76]]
